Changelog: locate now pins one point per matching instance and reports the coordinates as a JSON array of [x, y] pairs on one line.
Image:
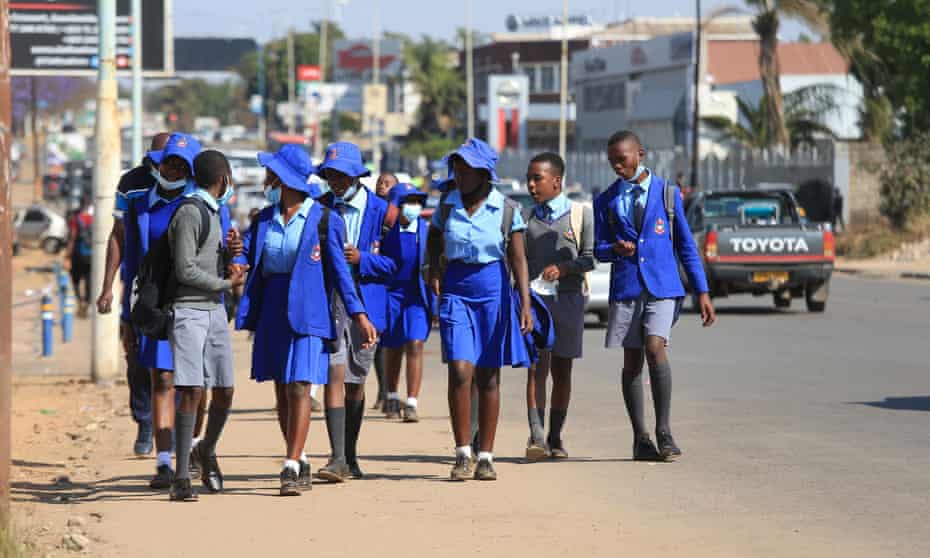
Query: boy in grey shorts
[[559, 252], [200, 338]]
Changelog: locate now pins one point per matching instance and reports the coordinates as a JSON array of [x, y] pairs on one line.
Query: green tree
[[766, 24], [188, 99], [441, 88], [905, 190], [804, 111]]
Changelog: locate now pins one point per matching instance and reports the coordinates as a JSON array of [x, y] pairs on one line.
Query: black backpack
[[156, 282]]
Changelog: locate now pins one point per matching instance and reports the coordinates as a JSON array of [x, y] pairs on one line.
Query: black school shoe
[[667, 446], [182, 491], [304, 480], [163, 479], [143, 443], [290, 483], [355, 471], [197, 465], [211, 476], [334, 471], [392, 409], [645, 450]]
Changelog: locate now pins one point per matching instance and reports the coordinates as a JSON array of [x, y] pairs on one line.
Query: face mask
[[273, 195], [411, 211], [349, 193], [226, 195], [324, 187], [639, 171], [167, 184]]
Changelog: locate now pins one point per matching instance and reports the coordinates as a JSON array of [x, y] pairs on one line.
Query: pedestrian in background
[[386, 181], [480, 231], [644, 245], [559, 254], [78, 254]]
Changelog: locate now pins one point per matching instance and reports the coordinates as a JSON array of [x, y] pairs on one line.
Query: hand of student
[[105, 302], [66, 264], [353, 256], [233, 243], [708, 315], [625, 248], [435, 284], [526, 320], [237, 273], [552, 273], [367, 329]]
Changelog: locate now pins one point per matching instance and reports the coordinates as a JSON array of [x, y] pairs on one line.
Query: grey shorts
[[202, 348], [630, 321], [567, 311], [350, 353]]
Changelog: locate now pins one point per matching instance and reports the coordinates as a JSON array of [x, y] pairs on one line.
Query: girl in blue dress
[[409, 314], [481, 233], [285, 301]]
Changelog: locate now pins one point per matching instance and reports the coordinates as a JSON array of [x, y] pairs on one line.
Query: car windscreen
[[746, 209]]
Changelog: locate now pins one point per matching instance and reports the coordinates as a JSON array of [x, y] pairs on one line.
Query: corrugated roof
[[738, 61]]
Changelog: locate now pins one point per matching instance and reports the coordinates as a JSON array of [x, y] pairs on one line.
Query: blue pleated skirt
[[278, 353], [477, 318], [154, 353], [407, 317]]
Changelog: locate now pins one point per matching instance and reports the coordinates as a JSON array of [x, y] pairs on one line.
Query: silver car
[[599, 297]]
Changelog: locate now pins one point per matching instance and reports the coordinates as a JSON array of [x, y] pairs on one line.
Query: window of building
[[547, 79], [530, 72], [599, 97]]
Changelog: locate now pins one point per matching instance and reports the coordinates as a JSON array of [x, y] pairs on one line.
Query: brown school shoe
[[485, 471], [289, 482], [410, 414], [557, 451], [534, 452], [462, 470], [334, 471]]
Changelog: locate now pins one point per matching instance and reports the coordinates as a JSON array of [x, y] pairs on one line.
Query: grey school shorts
[[350, 353], [567, 311], [202, 348], [630, 321]]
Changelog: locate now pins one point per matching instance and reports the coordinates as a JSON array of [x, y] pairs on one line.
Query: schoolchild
[[559, 252], [409, 314], [383, 186], [364, 214], [295, 251], [480, 232], [200, 340], [641, 230]]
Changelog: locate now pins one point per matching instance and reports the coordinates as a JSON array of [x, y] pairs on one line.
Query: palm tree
[[442, 93], [803, 119], [766, 24]]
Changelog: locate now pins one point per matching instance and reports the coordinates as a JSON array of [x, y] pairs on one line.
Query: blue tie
[[639, 210]]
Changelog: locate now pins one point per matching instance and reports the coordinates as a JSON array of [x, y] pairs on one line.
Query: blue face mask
[[167, 184], [411, 211], [273, 195], [226, 195], [348, 195]]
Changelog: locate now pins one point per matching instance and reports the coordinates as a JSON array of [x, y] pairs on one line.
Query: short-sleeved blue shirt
[[282, 241], [476, 239]]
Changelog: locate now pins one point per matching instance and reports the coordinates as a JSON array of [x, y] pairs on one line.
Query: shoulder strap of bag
[[576, 221], [668, 198], [204, 219]]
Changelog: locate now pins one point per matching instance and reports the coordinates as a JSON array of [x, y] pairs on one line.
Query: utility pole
[[469, 71], [6, 266], [375, 78], [136, 82], [262, 132], [105, 327], [324, 37], [695, 117], [37, 192], [292, 122], [563, 88]]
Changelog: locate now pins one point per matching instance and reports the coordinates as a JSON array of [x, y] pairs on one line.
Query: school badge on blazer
[[315, 253], [570, 235], [660, 226]]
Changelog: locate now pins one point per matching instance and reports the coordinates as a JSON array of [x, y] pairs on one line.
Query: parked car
[[245, 168], [39, 226], [599, 296], [246, 199]]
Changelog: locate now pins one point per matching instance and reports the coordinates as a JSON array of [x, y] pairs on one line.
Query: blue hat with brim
[[180, 145], [344, 157], [477, 155], [402, 191], [293, 166]]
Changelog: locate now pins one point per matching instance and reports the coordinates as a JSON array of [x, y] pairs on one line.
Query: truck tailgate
[[772, 244]]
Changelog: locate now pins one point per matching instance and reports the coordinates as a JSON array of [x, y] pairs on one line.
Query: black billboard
[[51, 37]]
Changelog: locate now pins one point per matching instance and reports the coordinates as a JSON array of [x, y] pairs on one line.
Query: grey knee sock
[[336, 427], [556, 422], [184, 431], [355, 413], [216, 421], [537, 431], [633, 397], [660, 378]]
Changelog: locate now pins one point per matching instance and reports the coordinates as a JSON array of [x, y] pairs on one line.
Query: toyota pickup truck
[[758, 242]]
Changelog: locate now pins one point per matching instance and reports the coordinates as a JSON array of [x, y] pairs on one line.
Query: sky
[[438, 18]]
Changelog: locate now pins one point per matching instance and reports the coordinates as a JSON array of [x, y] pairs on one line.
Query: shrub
[[905, 179]]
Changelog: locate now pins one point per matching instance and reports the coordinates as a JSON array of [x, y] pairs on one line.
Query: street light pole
[[137, 110], [292, 122], [375, 78], [695, 116], [563, 88], [6, 266], [469, 71], [105, 327]]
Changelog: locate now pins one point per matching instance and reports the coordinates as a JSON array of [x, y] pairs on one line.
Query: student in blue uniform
[[364, 214], [285, 301], [147, 220], [409, 316], [383, 186], [633, 233], [478, 320]]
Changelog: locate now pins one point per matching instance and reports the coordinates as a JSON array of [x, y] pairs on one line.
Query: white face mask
[[167, 184], [411, 211]]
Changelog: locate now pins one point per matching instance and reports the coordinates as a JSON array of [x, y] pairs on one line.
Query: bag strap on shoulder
[[204, 218], [668, 200]]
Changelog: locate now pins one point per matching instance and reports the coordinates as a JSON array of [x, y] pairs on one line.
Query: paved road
[[804, 435]]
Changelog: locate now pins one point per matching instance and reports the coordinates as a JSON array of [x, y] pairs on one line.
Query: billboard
[[308, 72], [353, 60], [61, 37]]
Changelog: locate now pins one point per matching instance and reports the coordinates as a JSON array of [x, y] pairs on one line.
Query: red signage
[[307, 72], [359, 58]]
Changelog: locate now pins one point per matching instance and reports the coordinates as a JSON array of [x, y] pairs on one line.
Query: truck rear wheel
[[816, 296], [782, 299]]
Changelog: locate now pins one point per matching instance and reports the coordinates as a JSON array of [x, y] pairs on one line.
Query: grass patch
[[877, 240], [12, 546]]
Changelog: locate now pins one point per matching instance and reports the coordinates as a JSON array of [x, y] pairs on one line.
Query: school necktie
[[545, 214], [341, 207], [639, 210]]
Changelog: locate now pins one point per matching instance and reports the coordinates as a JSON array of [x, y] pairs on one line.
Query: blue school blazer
[[381, 267], [136, 245], [316, 269], [654, 265], [372, 291]]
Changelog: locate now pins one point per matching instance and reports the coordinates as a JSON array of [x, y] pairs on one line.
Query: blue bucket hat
[[402, 191], [293, 166], [180, 145], [477, 155], [344, 157]]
